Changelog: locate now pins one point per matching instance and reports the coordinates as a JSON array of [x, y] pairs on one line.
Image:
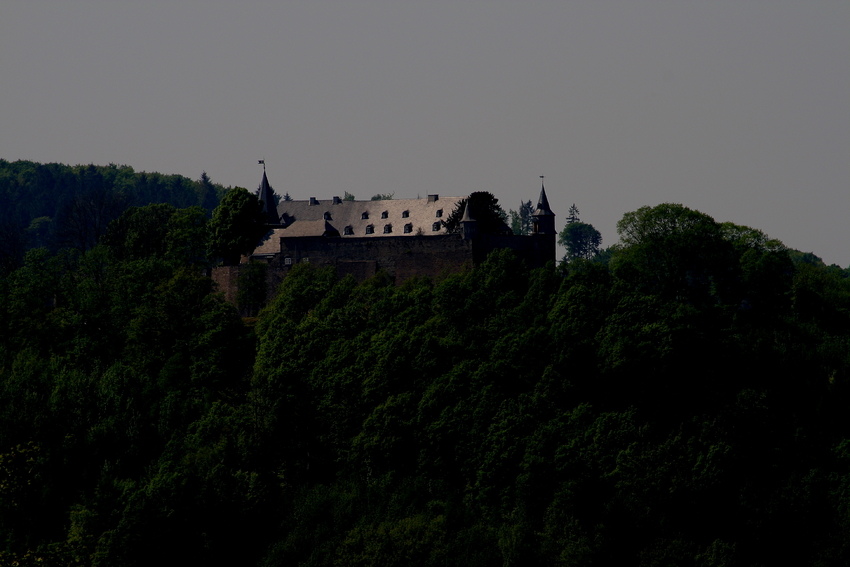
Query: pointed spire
[[543, 218], [543, 204], [266, 195], [469, 226], [467, 215]]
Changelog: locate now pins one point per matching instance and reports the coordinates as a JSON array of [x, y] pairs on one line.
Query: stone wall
[[535, 250], [226, 279], [400, 257]]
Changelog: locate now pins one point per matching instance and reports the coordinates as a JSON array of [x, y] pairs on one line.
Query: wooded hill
[[56, 206], [685, 403]]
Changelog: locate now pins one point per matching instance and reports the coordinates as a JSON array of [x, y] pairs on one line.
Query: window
[[305, 260], [348, 231], [385, 214], [287, 261], [364, 216], [436, 226], [408, 228], [405, 214], [388, 228], [370, 229], [439, 213], [328, 215]]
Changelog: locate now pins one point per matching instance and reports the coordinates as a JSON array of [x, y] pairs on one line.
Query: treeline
[[60, 206], [683, 403]]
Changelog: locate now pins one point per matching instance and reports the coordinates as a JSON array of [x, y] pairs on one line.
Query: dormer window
[[385, 214], [436, 226], [364, 216], [370, 229], [328, 215], [388, 228], [408, 228], [348, 231], [405, 214], [439, 213]]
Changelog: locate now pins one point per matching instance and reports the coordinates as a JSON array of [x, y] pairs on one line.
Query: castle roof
[[310, 228], [374, 219], [270, 245]]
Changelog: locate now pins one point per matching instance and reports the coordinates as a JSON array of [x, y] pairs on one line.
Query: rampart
[[401, 257]]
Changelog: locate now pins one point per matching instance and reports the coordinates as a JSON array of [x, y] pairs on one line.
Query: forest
[[680, 399], [57, 206]]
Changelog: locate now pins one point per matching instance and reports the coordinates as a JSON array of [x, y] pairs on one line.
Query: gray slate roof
[[543, 209], [266, 195], [419, 215]]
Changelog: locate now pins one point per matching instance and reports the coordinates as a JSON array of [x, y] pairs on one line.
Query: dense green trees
[[237, 225], [485, 209], [522, 221], [684, 404], [54, 205], [581, 240]]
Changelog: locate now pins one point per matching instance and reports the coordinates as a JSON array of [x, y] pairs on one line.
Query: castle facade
[[403, 237]]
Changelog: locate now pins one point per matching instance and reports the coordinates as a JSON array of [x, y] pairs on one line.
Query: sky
[[739, 109]]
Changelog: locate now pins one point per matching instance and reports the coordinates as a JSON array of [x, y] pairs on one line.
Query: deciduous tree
[[237, 225], [522, 221], [581, 241], [486, 211]]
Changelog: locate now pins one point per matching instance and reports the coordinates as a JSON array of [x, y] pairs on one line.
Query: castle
[[404, 238]]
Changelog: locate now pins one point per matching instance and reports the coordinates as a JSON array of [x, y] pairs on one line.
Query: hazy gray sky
[[739, 109]]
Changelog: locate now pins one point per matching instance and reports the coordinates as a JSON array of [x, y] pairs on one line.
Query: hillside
[[54, 205], [684, 403]]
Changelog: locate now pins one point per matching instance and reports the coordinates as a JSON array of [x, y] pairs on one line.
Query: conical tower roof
[[543, 209], [266, 194], [467, 214], [469, 226]]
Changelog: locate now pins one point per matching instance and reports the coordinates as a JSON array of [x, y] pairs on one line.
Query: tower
[[544, 218], [469, 226], [468, 223], [266, 195]]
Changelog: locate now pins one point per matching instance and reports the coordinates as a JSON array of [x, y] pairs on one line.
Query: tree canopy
[[684, 404], [522, 221], [581, 240], [488, 214], [57, 206], [237, 225]]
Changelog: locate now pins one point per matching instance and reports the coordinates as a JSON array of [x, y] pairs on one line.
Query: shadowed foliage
[[684, 404]]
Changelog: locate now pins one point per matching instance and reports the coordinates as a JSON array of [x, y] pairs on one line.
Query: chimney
[[313, 201], [337, 200], [433, 198]]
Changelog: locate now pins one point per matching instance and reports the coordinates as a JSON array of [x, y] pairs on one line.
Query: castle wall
[[535, 250], [401, 257], [226, 279]]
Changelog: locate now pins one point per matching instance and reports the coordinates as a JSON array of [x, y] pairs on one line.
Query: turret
[[544, 218], [266, 195], [468, 223]]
